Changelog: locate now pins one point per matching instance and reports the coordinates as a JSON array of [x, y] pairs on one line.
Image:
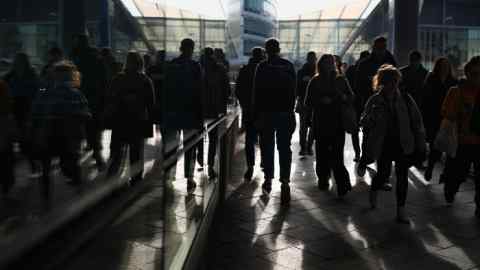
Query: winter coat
[[183, 98], [131, 105], [304, 75], [274, 87], [366, 70], [25, 86], [217, 89], [413, 80], [375, 122], [326, 103], [433, 95], [244, 85], [157, 75]]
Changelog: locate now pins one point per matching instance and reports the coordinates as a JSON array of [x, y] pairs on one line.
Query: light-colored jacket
[[374, 122]]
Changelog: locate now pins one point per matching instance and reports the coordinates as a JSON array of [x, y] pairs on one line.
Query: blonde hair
[[386, 74], [67, 72]]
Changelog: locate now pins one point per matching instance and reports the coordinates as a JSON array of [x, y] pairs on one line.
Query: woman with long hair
[[437, 84], [393, 132], [131, 108], [327, 92]]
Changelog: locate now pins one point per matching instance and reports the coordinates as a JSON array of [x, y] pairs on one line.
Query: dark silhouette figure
[[54, 56], [7, 160], [304, 75], [93, 85], [244, 92], [24, 84], [183, 105], [222, 59], [413, 77], [366, 71], [273, 113], [462, 107], [351, 73], [327, 93], [112, 66], [436, 87], [59, 118], [131, 106], [394, 132], [156, 72]]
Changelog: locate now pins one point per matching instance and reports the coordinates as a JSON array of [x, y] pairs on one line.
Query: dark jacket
[[131, 102], [433, 95], [366, 70], [304, 75], [274, 86], [182, 100], [326, 102], [244, 85], [217, 89], [375, 122], [25, 86], [157, 75], [59, 116], [94, 77], [412, 81]]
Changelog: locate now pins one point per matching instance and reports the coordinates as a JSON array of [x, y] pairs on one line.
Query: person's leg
[[46, 167], [285, 128], [70, 160], [401, 171], [457, 172], [356, 145], [268, 156], [212, 152], [250, 142], [189, 164], [433, 157], [116, 154], [384, 169], [200, 154], [310, 141], [7, 168], [322, 166], [340, 172], [303, 133], [136, 147], [476, 163]]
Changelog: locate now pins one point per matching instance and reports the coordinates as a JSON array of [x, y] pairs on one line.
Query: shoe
[[361, 170], [373, 197], [449, 197], [285, 196], [134, 181], [387, 187], [248, 174], [310, 152], [191, 185], [428, 174], [267, 186], [342, 192], [402, 216]]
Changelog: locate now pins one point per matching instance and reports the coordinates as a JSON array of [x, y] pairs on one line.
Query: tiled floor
[[320, 231]]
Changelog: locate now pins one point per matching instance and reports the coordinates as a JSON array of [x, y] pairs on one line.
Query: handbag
[[349, 118], [447, 138]]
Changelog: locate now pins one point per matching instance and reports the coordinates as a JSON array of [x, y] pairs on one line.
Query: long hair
[[326, 73], [386, 74], [22, 66], [438, 65]]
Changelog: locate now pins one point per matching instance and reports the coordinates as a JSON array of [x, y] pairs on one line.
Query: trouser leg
[[401, 171], [136, 150], [303, 131], [286, 127], [384, 169], [189, 160], [340, 172], [70, 160], [268, 152], [212, 147], [46, 168], [7, 168], [433, 157], [250, 142], [356, 143], [116, 154], [457, 171], [322, 167]]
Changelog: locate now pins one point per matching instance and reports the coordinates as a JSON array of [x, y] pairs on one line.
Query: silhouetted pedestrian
[[157, 73], [54, 56], [462, 106], [273, 112], [304, 75], [131, 108], [7, 160], [93, 85], [351, 73], [394, 132], [413, 77], [434, 91], [327, 93], [244, 92]]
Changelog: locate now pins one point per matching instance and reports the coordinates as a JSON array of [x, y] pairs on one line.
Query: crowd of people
[[405, 115]]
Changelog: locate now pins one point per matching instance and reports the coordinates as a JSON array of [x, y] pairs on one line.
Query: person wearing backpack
[[327, 92], [393, 132], [132, 98], [273, 112], [461, 106]]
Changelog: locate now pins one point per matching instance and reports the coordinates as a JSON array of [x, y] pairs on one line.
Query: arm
[[450, 107], [149, 97]]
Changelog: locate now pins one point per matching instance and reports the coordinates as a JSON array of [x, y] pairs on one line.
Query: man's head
[[415, 58], [272, 47], [364, 55], [258, 54], [311, 58], [379, 49], [209, 53], [187, 46], [219, 54], [472, 71]]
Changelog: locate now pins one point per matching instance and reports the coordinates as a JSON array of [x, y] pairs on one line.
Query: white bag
[[447, 138]]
